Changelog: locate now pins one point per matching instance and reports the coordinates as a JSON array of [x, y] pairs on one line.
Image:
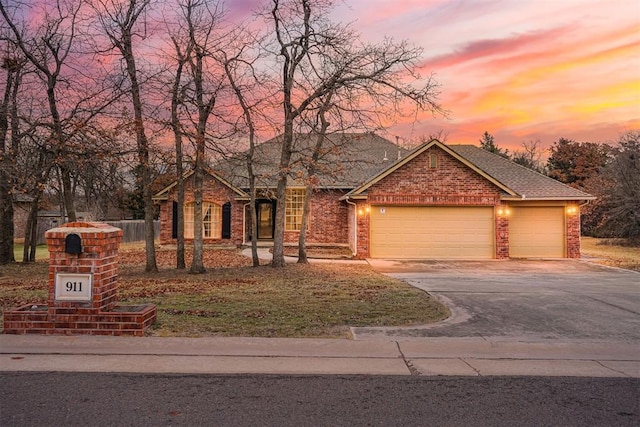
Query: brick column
[[364, 241], [572, 214], [502, 232], [99, 257]]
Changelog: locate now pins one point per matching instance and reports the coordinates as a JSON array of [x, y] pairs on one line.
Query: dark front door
[[266, 219]]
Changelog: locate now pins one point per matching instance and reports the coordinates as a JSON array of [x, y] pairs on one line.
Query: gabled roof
[[526, 183], [515, 181], [164, 193]]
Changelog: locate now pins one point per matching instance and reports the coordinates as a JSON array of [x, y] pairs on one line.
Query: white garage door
[[537, 232], [432, 232]]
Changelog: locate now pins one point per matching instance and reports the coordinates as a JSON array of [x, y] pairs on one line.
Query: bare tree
[[312, 170], [119, 21], [319, 57], [619, 191], [48, 48], [182, 50], [530, 156], [238, 59], [441, 135], [201, 19]]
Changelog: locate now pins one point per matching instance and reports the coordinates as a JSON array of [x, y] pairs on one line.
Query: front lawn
[[234, 299], [612, 252], [42, 252]]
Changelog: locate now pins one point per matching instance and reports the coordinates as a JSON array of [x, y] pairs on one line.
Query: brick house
[[435, 202]]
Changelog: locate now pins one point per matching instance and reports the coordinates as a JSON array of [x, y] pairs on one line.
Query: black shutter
[[226, 221], [174, 221]]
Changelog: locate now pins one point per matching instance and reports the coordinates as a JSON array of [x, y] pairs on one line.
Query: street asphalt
[[471, 343]]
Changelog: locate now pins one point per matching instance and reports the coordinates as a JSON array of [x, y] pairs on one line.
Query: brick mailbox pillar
[[83, 281]]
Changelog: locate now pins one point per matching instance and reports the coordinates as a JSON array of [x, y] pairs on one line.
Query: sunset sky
[[520, 69]]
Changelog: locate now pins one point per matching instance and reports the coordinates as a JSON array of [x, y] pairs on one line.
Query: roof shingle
[[527, 183]]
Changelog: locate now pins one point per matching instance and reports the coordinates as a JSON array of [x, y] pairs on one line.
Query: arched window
[[211, 220]]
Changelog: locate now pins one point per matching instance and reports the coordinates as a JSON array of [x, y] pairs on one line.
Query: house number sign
[[74, 287]]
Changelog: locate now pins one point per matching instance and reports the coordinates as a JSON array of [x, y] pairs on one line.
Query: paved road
[[524, 300], [77, 399]]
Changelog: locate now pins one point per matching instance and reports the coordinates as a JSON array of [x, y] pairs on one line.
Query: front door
[[266, 219]]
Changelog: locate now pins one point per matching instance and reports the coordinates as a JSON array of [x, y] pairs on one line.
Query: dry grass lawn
[[234, 299], [611, 252]]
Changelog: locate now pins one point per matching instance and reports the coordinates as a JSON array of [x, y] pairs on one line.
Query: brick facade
[[327, 219], [432, 178], [449, 183], [213, 192]]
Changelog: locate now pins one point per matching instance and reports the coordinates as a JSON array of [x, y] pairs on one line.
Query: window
[[293, 209], [211, 220], [433, 160]]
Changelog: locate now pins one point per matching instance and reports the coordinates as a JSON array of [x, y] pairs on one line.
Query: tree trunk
[[180, 263], [311, 178], [143, 157], [197, 265], [30, 237], [254, 218], [302, 237], [247, 112], [67, 193], [281, 194], [6, 220], [6, 198], [177, 132]]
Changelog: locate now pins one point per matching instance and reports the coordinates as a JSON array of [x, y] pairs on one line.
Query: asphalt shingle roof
[[353, 161], [527, 183], [348, 160]]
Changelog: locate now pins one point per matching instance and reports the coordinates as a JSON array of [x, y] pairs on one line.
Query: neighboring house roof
[[23, 198], [516, 181]]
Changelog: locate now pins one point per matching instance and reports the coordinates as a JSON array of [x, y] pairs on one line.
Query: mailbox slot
[[73, 244]]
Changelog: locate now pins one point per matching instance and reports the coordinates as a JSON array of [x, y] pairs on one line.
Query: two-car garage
[[464, 232]]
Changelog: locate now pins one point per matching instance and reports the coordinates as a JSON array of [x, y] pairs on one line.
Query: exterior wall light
[[364, 210], [503, 211], [572, 210]]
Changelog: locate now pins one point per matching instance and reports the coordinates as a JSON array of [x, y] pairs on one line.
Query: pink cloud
[[493, 48]]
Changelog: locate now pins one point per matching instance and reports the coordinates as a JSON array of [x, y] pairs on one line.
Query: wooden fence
[[133, 230]]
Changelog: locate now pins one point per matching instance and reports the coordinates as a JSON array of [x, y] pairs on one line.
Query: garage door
[[537, 232], [432, 232]]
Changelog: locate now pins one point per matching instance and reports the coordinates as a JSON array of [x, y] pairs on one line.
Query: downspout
[[355, 223]]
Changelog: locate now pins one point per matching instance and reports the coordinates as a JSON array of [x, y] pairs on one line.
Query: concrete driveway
[[521, 299]]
